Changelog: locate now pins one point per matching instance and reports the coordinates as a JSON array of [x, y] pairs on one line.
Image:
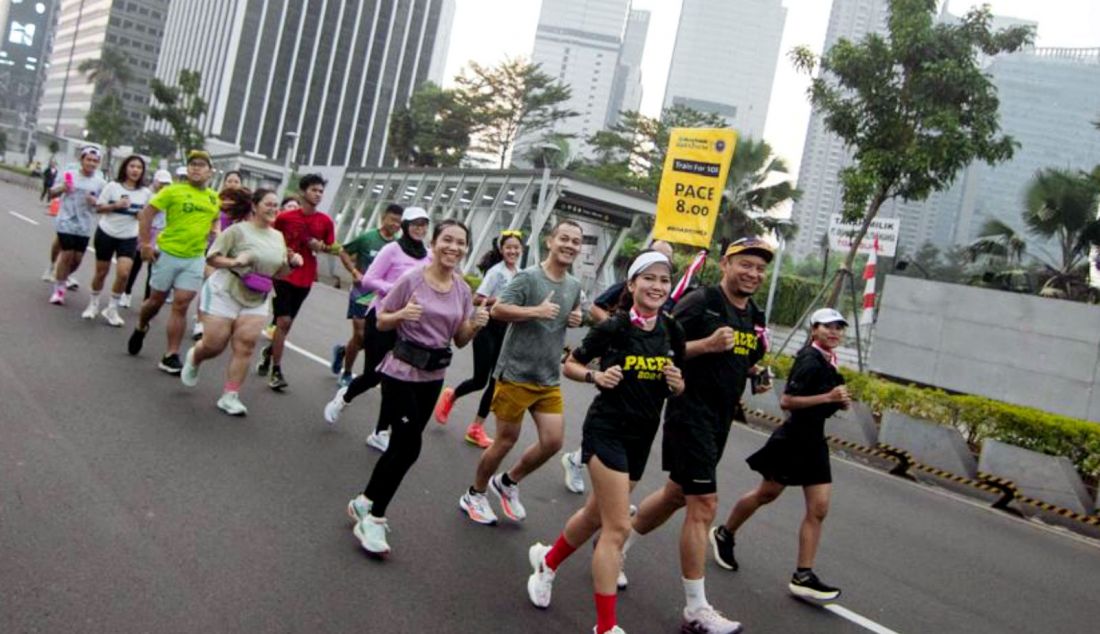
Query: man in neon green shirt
[[190, 209]]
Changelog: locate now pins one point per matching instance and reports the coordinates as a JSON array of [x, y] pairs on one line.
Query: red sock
[[557, 554], [605, 612]]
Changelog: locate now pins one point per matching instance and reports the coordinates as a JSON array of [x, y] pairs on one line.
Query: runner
[[76, 218], [429, 306], [796, 454], [118, 205], [392, 262], [226, 218], [190, 208], [639, 352], [364, 248], [289, 203], [49, 177], [246, 257], [499, 267], [602, 308], [307, 230], [161, 179], [726, 338], [529, 372]]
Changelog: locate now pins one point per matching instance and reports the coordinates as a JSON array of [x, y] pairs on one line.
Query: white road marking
[[307, 354], [858, 619], [24, 218]]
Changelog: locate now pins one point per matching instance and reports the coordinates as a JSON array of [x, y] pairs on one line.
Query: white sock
[[114, 300], [630, 539], [695, 594], [94, 298]]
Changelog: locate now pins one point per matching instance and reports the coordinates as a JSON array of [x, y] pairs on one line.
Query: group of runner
[[409, 304]]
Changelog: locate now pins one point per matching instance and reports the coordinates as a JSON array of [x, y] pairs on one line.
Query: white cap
[[181, 170], [646, 260], [162, 176], [414, 213], [827, 316]]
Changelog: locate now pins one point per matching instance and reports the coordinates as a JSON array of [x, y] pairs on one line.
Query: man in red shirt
[[307, 231]]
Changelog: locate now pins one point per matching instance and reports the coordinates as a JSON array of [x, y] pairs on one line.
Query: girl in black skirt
[[796, 454]]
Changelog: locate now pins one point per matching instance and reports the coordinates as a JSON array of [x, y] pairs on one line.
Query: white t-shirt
[[496, 278], [122, 223]]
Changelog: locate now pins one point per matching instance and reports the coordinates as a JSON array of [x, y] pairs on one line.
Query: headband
[[644, 261]]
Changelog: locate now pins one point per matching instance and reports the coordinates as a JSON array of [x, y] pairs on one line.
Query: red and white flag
[[685, 281], [868, 315]]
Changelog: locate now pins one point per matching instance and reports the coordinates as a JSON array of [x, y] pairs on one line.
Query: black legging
[[486, 350], [408, 406], [375, 346], [134, 271]]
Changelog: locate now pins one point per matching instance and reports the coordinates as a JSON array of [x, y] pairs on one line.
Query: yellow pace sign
[[696, 166]]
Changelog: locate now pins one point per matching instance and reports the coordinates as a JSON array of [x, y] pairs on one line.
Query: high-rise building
[[724, 60], [626, 91], [578, 42], [85, 29], [321, 76], [28, 29]]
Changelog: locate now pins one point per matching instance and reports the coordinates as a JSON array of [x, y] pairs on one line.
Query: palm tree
[[999, 243], [755, 185], [110, 73], [1061, 206]]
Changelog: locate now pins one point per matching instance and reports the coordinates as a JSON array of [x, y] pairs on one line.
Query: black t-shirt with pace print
[[633, 407]]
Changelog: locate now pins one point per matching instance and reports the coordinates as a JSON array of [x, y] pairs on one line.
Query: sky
[[486, 31]]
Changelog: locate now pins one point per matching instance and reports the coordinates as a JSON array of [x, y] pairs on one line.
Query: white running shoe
[[91, 310], [509, 499], [71, 283], [189, 374], [231, 404], [707, 620], [574, 471], [196, 332], [58, 297], [124, 300], [621, 581], [379, 440], [477, 508], [372, 535], [541, 582], [334, 407], [113, 318], [614, 630], [47, 275], [359, 508]]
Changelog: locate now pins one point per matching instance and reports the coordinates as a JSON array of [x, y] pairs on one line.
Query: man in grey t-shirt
[[529, 372]]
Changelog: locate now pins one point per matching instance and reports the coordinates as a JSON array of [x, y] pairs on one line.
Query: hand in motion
[[148, 253], [547, 309], [609, 378], [412, 311], [720, 340], [839, 394], [674, 378], [295, 260], [243, 259], [481, 317], [576, 318]]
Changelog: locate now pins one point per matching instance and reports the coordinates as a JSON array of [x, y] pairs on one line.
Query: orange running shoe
[[444, 405], [476, 436]]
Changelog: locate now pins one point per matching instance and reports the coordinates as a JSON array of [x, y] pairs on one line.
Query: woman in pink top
[[393, 261]]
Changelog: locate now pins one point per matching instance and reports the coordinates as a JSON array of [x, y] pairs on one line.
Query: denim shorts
[[183, 274]]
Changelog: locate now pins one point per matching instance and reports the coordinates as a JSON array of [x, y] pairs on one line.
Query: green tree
[[512, 99], [54, 147], [3, 144], [107, 124], [754, 186], [1061, 206], [913, 108], [153, 143], [180, 107], [110, 73], [433, 130]]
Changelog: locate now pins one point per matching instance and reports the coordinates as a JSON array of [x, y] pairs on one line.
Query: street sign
[[692, 183], [841, 235]]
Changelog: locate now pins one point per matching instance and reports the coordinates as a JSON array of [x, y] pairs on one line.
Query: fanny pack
[[422, 357], [256, 282]]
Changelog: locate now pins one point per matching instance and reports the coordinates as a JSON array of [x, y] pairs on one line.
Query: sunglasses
[[511, 233]]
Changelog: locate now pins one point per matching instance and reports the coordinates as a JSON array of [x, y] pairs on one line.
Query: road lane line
[[307, 354], [858, 619], [24, 218]]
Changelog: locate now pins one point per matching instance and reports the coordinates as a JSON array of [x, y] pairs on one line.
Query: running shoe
[[476, 436], [806, 585], [189, 374], [337, 363], [614, 630], [477, 508], [379, 440], [541, 582], [621, 582], [334, 407], [707, 620], [113, 318], [444, 405], [574, 471], [345, 379], [171, 296], [124, 300], [276, 380], [509, 499], [263, 368], [170, 363], [72, 284], [721, 541], [58, 297], [196, 332], [47, 275], [137, 339], [230, 403], [358, 508], [372, 535], [91, 310]]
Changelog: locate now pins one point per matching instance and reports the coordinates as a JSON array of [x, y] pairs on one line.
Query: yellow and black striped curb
[[1006, 489]]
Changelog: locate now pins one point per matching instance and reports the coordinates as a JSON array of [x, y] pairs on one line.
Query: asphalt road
[[131, 504]]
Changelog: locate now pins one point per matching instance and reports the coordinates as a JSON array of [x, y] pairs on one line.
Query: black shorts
[[72, 242], [288, 299], [690, 454], [618, 452], [356, 310], [107, 246], [793, 462]]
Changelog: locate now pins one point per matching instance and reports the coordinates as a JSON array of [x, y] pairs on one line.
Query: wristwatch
[[589, 377]]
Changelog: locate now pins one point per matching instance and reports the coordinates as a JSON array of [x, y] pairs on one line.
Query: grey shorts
[[183, 274]]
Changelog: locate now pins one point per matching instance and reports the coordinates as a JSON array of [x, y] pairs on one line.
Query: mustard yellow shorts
[[511, 400]]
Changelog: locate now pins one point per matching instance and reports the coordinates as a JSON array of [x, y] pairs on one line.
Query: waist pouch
[[256, 282], [422, 357]]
